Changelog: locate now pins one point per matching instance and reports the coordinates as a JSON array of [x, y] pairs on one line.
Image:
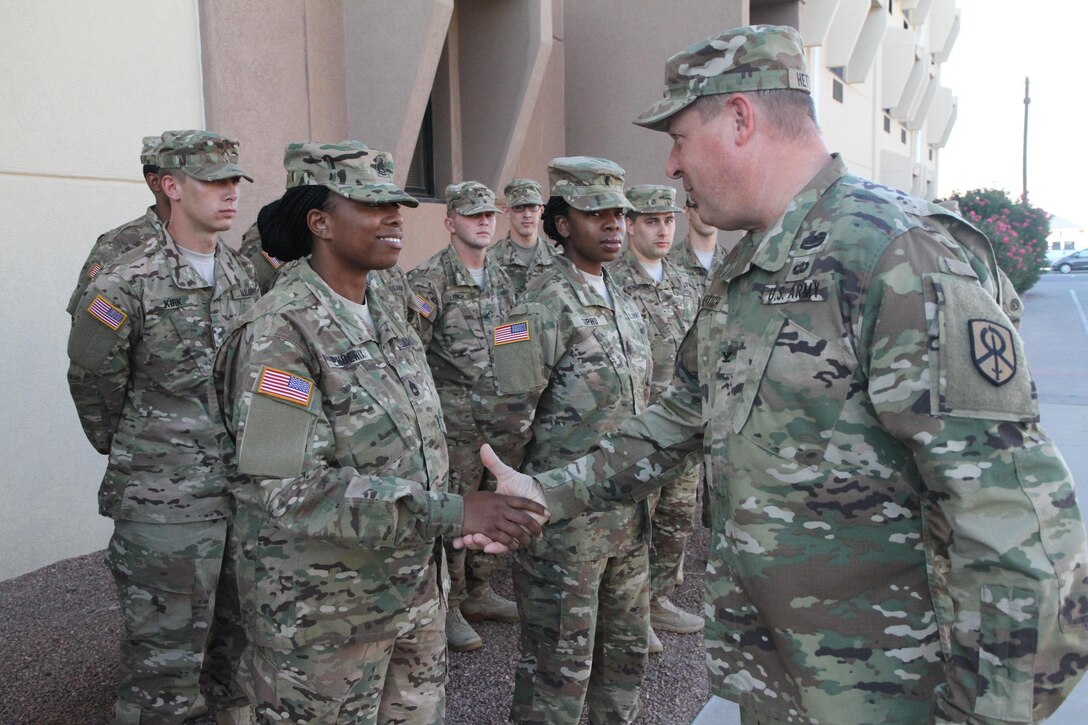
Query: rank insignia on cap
[[514, 332], [285, 386], [94, 270], [422, 305], [105, 312], [992, 350], [276, 264]]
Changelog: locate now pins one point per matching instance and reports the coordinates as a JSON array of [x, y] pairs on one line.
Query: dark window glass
[[420, 181]]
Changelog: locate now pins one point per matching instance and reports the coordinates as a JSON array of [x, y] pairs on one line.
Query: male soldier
[[523, 253], [460, 294], [667, 297], [141, 349], [699, 254], [135, 233], [300, 171], [895, 537]]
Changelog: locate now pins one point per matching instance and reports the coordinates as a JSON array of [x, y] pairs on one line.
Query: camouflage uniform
[[454, 318], [668, 309], [335, 448], [341, 493], [523, 267], [141, 348], [682, 257], [569, 368], [120, 240], [896, 540]]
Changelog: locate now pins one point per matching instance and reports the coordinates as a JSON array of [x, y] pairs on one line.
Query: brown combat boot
[[460, 636], [485, 603], [667, 616]]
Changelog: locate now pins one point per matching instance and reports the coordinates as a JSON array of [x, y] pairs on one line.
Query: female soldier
[[335, 445], [572, 362]]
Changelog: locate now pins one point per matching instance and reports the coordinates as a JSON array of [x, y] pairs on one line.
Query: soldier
[[141, 347], [523, 253], [571, 363], [895, 537], [267, 267], [460, 295], [334, 444], [135, 233], [699, 254], [667, 297]]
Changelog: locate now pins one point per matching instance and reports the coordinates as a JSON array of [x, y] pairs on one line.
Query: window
[[887, 123], [836, 89], [1055, 246], [1069, 245], [902, 135], [420, 181], [931, 153]]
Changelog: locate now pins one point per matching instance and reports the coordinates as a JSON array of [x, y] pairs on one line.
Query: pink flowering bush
[[1017, 231]]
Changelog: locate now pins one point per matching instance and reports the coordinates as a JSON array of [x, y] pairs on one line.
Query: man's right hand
[[511, 483]]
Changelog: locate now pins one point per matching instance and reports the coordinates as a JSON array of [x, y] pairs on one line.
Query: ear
[[154, 182], [562, 225], [171, 186], [630, 222], [447, 222], [318, 222], [742, 117]]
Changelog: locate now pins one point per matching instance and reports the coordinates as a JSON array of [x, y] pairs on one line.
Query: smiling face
[[651, 235], [591, 238], [358, 236]]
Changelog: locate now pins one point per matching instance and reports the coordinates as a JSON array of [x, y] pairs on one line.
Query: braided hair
[[556, 206], [282, 224]]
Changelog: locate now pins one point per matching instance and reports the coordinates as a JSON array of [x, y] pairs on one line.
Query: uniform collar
[[587, 296], [770, 249], [183, 273]]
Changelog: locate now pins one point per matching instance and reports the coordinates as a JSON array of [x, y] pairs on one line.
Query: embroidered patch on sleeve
[[94, 270], [513, 332], [276, 264], [102, 310], [992, 350], [285, 386], [422, 305]]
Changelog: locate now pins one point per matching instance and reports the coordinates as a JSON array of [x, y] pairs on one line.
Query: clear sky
[[1000, 42]]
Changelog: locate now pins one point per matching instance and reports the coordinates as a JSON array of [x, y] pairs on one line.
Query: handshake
[[507, 519]]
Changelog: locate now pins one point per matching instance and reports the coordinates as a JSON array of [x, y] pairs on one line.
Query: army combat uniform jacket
[[454, 318], [508, 256], [112, 245], [141, 347], [568, 369], [334, 444], [895, 539], [682, 256]]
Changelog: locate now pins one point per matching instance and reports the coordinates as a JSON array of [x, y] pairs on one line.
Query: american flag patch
[[101, 310], [94, 270], [422, 306], [271, 260], [514, 332], [285, 386]]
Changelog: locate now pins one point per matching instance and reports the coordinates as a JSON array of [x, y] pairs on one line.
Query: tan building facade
[[472, 89]]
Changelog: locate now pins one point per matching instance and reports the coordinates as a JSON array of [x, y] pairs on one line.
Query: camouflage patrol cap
[[588, 183], [470, 198], [523, 191], [200, 154], [751, 58], [149, 153], [350, 168], [652, 198], [689, 202]]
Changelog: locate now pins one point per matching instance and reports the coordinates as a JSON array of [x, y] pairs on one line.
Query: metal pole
[[1027, 102]]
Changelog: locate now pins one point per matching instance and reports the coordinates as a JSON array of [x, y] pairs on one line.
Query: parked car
[[1076, 260]]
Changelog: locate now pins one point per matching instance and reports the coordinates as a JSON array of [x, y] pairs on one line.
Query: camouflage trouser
[[584, 629], [182, 634], [400, 680], [468, 569], [673, 516]]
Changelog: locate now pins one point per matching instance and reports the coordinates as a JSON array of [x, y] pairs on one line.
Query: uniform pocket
[[155, 589], [794, 392], [1006, 653]]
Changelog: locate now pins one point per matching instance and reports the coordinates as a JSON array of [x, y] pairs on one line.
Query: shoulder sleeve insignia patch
[[512, 332], [992, 350], [285, 386], [105, 312], [276, 264], [423, 306], [94, 270]]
